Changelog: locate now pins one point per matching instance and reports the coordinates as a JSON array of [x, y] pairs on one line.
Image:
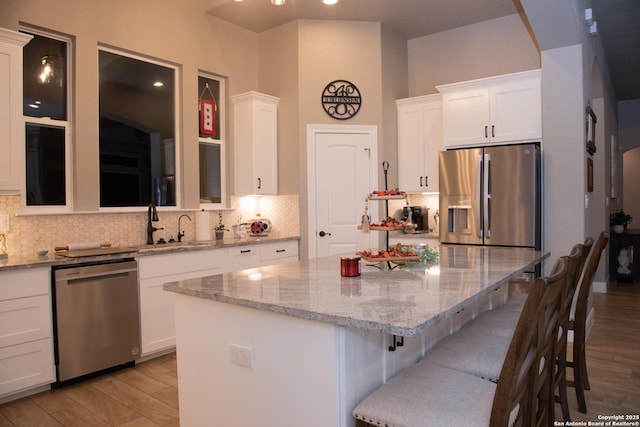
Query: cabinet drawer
[[26, 365], [273, 253], [24, 283], [182, 262], [241, 257], [25, 319]]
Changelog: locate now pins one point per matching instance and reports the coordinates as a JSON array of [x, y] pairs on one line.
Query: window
[[137, 131], [211, 140], [47, 122]]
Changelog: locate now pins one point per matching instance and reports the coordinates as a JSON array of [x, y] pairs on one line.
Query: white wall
[[628, 159], [631, 184], [498, 46], [178, 32]]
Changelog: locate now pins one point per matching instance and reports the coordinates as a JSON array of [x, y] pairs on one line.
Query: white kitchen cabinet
[[11, 126], [26, 333], [494, 110], [278, 252], [419, 141], [255, 143], [157, 325]]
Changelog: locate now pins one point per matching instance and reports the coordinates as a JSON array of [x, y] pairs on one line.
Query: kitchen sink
[[166, 247]]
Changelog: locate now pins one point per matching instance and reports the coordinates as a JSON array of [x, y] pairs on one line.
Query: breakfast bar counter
[[298, 344]]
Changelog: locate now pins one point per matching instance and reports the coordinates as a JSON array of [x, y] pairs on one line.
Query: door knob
[[322, 234]]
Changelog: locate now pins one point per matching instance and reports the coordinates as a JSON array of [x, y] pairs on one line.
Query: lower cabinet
[[157, 323], [157, 326], [26, 337]]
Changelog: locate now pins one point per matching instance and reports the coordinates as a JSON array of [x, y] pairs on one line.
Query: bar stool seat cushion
[[473, 351], [425, 394]]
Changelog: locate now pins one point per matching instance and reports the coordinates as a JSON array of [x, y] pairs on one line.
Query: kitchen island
[[314, 343]]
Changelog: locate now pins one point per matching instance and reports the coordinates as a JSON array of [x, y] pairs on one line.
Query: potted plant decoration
[[619, 220], [220, 228]]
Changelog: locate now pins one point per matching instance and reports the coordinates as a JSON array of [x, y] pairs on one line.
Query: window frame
[[47, 121], [177, 77], [221, 141]]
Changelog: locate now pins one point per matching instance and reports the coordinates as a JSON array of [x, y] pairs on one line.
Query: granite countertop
[[14, 262], [404, 301]]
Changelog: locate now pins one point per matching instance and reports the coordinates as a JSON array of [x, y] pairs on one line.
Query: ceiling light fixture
[[277, 2], [46, 69], [329, 2]]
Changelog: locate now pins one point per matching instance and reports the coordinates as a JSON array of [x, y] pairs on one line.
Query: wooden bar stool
[[426, 392], [479, 347], [560, 347], [579, 323]]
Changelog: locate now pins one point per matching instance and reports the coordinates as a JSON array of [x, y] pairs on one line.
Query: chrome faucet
[[181, 233], [152, 215]]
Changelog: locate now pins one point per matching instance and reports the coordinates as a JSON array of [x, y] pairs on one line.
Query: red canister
[[350, 266]]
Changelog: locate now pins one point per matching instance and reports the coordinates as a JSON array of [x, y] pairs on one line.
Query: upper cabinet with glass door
[[138, 139], [11, 135]]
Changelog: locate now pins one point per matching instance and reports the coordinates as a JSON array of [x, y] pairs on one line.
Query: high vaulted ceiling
[[618, 23]]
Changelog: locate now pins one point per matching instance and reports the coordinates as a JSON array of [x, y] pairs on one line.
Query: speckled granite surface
[[404, 301], [15, 262]]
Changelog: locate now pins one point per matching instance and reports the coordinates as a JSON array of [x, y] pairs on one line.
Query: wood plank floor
[[147, 395]]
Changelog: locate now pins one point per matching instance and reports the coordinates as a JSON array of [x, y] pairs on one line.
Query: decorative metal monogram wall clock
[[341, 99]]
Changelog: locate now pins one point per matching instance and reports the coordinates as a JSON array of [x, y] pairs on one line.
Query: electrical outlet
[[242, 356]]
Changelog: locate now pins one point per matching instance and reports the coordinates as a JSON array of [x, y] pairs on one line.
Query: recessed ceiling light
[[329, 2], [277, 2], [158, 84]]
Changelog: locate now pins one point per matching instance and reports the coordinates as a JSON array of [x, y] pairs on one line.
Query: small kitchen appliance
[[419, 217]]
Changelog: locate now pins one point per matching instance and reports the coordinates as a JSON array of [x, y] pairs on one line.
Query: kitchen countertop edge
[[16, 262]]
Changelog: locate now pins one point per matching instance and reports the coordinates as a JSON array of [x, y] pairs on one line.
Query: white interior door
[[342, 163]]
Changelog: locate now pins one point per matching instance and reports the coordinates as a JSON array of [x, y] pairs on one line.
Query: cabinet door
[[157, 325], [265, 160], [419, 141], [516, 111], [432, 145], [11, 126], [411, 148], [255, 125], [465, 116], [25, 319], [26, 366]]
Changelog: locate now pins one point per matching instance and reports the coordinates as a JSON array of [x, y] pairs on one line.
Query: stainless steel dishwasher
[[96, 318]]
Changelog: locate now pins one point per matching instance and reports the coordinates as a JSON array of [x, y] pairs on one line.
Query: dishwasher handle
[[77, 274]]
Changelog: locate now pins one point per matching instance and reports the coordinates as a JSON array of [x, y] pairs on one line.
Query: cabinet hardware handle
[[420, 181], [245, 251], [493, 131], [426, 181], [280, 250], [259, 183], [486, 131]]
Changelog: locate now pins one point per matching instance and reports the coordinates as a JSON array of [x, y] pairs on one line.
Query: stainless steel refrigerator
[[491, 196]]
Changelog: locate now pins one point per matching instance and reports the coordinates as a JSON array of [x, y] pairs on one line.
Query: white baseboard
[[600, 287]]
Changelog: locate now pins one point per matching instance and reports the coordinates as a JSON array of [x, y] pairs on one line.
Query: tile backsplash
[[29, 233]]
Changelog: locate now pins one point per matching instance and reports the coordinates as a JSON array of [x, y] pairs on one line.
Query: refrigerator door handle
[[487, 195], [479, 219]]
